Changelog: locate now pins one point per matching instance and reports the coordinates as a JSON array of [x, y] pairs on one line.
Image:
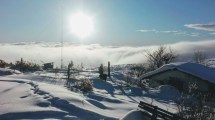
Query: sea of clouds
[[95, 54]]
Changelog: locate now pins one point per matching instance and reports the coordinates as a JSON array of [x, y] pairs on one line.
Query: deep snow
[[42, 95]]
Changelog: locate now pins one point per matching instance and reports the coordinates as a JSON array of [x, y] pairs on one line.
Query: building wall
[[178, 77], [48, 66]]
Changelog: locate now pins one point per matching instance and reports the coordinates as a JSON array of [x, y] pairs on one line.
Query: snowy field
[[42, 95]]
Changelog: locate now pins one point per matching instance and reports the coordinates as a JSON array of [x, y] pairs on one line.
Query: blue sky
[[117, 22]]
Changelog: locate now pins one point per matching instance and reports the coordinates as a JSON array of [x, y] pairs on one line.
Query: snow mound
[[135, 115], [6, 71], [165, 92]]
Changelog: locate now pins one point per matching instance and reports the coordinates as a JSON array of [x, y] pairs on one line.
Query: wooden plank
[[158, 112]]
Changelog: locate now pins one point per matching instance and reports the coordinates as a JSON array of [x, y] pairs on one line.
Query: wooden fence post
[[154, 114], [109, 69]]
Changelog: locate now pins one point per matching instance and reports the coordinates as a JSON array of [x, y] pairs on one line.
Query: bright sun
[[81, 24]]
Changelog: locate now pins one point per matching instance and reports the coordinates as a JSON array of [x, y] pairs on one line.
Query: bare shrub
[[138, 70], [159, 57], [199, 57], [194, 105], [84, 85]]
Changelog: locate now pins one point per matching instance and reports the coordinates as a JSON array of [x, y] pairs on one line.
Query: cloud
[[205, 27], [175, 32], [194, 34], [142, 30], [91, 55], [95, 54], [157, 31], [168, 31]]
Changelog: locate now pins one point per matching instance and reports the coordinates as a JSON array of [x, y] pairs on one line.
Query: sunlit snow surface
[[42, 95]]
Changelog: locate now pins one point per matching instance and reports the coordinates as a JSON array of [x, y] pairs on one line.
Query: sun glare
[[81, 24]]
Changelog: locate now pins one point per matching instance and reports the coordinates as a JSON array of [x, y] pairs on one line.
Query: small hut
[[48, 65]]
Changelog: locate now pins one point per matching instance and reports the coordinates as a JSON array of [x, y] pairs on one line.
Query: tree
[[101, 73], [101, 69], [199, 57], [2, 63], [159, 57]]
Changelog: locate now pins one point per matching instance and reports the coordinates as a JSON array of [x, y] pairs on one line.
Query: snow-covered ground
[[42, 95]]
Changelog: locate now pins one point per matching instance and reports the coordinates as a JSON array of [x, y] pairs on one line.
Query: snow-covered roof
[[198, 70]]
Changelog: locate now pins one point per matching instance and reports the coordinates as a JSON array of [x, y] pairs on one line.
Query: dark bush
[[2, 63], [103, 77], [25, 66]]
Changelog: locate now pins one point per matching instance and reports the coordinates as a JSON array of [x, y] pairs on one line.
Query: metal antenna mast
[[61, 37]]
